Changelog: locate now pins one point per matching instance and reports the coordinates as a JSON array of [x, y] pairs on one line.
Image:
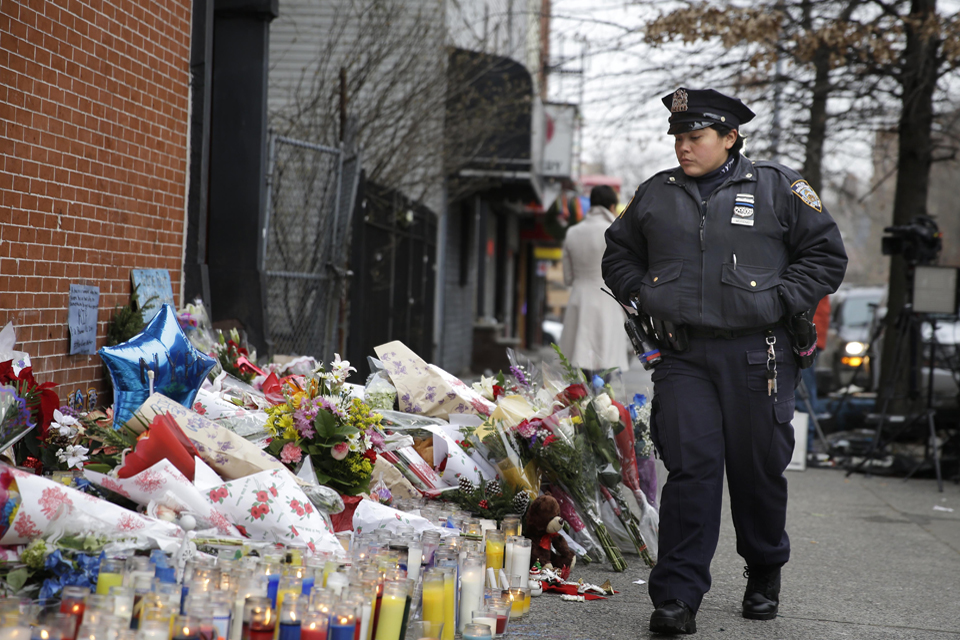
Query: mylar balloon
[[178, 367]]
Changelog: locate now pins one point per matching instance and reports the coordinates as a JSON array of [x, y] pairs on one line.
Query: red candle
[[501, 624], [317, 633], [261, 631]]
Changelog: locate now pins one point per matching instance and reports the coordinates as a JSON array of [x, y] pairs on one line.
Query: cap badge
[[679, 101]]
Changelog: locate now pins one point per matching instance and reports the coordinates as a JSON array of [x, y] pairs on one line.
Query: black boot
[[673, 617], [761, 600]]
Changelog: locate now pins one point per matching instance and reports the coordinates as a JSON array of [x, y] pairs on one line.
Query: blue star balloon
[[162, 347]]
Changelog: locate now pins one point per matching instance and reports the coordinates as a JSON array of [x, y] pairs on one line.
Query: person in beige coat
[[593, 337]]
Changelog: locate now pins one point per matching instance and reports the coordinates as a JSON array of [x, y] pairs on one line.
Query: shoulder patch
[[806, 193]]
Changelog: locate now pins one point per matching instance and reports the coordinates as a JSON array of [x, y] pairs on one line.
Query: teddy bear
[[542, 526]]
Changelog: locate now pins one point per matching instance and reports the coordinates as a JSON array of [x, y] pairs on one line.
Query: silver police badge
[[679, 101], [743, 212], [806, 193]]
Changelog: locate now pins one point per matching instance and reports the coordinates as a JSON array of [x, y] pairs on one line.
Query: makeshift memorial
[[320, 421], [160, 359], [162, 439]]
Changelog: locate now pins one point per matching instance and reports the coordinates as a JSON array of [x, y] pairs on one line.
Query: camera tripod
[[908, 325]]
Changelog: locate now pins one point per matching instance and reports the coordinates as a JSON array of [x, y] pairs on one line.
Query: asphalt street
[[872, 558]]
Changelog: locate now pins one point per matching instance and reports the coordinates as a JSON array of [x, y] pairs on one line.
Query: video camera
[[918, 242]]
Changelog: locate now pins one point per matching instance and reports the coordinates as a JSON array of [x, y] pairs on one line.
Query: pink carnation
[[340, 451], [290, 453]]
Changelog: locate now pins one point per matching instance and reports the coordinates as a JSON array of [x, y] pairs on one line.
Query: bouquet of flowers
[[234, 357], [564, 456], [320, 420], [15, 418], [84, 440], [39, 399]]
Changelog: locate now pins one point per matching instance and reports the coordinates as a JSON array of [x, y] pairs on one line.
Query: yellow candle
[[449, 604], [526, 602], [495, 554], [391, 612], [281, 594], [107, 580], [433, 596], [516, 606]]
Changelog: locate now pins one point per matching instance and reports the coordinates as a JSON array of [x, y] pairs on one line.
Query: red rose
[[498, 391], [370, 455], [572, 393], [549, 440]]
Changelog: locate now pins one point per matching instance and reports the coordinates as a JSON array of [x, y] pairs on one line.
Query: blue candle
[[341, 631], [289, 631], [273, 581], [308, 585]]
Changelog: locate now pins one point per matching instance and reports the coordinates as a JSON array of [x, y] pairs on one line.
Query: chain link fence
[[311, 194]]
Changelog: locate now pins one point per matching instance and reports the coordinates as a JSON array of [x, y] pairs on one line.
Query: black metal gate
[[393, 259]]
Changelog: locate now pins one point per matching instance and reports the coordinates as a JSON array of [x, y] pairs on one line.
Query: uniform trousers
[[710, 409]]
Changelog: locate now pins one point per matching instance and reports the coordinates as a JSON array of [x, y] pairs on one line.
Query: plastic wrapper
[[33, 506], [227, 453], [372, 516], [380, 492], [165, 485], [379, 392], [394, 480], [270, 506], [15, 420], [578, 528], [20, 360], [427, 389], [646, 514], [246, 423]]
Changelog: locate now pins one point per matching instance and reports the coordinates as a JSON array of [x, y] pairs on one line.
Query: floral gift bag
[[426, 389], [230, 455], [270, 506], [164, 484], [36, 506]]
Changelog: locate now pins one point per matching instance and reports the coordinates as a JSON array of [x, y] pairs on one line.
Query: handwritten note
[[82, 318], [153, 290]]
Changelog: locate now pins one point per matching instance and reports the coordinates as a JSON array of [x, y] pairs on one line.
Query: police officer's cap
[[692, 109]]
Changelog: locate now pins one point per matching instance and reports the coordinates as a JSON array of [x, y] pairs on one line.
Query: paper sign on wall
[[82, 318], [153, 289]]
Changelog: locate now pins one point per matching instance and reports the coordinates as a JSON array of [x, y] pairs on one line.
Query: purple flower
[[519, 375]]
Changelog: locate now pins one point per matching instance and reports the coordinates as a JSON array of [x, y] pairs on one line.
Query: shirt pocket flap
[[750, 278], [760, 356], [663, 272]]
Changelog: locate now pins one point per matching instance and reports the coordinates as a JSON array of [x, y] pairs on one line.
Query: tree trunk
[[813, 163], [918, 80]]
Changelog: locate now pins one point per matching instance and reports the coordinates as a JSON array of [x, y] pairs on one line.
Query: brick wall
[[93, 176]]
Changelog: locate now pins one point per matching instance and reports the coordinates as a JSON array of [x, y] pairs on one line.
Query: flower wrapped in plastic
[[563, 456], [15, 418], [601, 424], [515, 466], [318, 419]]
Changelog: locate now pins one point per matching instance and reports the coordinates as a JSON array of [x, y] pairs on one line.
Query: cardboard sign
[[82, 318], [153, 289]]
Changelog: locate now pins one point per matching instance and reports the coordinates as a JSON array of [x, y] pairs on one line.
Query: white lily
[[64, 424], [485, 387], [73, 455]]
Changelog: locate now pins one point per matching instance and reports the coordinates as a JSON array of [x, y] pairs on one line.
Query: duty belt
[[726, 334]]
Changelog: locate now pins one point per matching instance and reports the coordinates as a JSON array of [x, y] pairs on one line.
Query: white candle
[[471, 590], [365, 611], [491, 578], [490, 622], [508, 551], [414, 559], [521, 561], [336, 581]]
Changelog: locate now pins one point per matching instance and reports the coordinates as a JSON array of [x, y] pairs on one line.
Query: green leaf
[[98, 467], [18, 578], [325, 424], [346, 430]]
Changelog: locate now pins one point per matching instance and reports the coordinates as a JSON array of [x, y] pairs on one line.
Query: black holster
[[804, 337]]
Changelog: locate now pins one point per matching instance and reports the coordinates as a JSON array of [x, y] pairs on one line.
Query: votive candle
[[393, 604], [343, 623]]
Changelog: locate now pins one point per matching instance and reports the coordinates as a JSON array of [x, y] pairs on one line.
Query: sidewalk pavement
[[871, 559]]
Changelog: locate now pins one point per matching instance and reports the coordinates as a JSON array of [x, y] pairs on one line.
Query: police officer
[[728, 250]]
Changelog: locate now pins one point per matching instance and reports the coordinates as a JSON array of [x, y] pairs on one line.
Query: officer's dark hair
[[722, 130], [603, 196]]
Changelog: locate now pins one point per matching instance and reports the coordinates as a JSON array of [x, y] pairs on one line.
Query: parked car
[[853, 320]]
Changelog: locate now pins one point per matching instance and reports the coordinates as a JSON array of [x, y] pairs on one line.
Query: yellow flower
[[577, 419], [285, 424]]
